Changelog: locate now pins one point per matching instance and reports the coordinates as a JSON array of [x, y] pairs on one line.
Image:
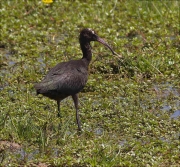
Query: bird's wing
[[57, 70], [63, 79]]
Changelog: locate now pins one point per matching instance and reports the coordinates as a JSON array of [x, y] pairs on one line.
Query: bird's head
[[89, 35]]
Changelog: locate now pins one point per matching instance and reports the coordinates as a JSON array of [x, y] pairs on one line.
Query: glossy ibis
[[69, 78]]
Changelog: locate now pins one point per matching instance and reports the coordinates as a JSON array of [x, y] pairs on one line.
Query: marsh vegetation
[[130, 106]]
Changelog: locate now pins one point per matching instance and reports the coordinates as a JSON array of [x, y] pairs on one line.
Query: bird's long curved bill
[[105, 44]]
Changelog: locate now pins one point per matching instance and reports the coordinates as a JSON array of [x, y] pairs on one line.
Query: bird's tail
[[38, 88]]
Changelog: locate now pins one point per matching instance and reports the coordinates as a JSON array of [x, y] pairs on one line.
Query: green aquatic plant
[[127, 104]]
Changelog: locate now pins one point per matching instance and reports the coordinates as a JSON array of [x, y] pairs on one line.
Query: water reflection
[[99, 131], [176, 114], [166, 108]]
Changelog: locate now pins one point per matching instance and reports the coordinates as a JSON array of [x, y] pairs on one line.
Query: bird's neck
[[86, 50]]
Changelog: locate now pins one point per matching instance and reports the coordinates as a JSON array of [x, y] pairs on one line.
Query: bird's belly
[[55, 95]]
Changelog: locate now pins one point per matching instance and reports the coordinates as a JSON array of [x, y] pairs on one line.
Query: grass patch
[[127, 103]]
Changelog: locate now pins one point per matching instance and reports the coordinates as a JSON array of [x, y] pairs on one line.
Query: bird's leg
[[75, 99], [58, 104], [59, 114]]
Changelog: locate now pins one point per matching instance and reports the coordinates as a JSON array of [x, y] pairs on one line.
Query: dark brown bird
[[69, 78]]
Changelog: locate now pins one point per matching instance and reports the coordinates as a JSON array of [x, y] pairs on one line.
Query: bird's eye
[[94, 36]]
